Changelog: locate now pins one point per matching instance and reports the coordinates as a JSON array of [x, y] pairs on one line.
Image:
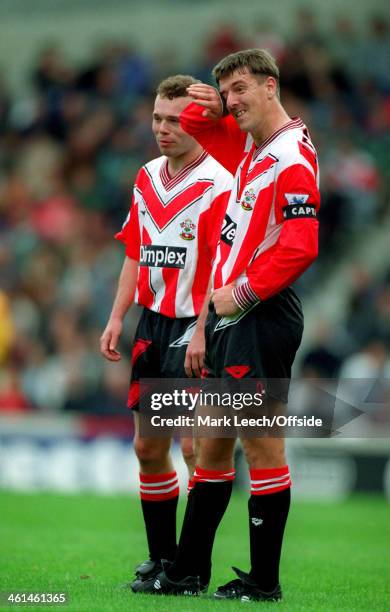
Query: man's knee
[[150, 450], [215, 453], [264, 452], [188, 451]]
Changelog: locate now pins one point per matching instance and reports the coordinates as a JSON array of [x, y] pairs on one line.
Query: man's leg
[[206, 505], [188, 452], [268, 507], [159, 491]]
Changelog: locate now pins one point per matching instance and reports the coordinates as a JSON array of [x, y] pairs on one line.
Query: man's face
[[171, 139], [247, 97]]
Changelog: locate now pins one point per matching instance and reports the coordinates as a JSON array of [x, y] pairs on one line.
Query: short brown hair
[[175, 86], [256, 61]]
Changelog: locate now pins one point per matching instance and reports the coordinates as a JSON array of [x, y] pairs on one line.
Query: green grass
[[336, 556]]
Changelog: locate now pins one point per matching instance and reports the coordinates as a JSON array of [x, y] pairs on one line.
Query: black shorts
[[159, 349], [259, 343]]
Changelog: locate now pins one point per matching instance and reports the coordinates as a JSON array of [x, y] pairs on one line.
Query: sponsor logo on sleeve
[[228, 232], [296, 198], [297, 206], [155, 256]]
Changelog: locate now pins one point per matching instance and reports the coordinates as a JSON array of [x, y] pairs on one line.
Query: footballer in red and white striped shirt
[[170, 237], [268, 239], [172, 230]]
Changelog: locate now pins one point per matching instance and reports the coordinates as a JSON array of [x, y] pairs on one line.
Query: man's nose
[[231, 101], [164, 126]]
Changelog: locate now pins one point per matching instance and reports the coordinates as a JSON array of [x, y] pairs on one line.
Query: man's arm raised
[[219, 135]]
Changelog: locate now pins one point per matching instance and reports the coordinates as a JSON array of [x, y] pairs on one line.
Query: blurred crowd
[[69, 153]]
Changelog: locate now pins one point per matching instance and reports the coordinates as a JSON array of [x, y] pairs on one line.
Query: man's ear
[[271, 87]]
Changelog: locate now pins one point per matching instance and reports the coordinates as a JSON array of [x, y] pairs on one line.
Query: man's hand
[[207, 96], [109, 340], [195, 353], [223, 301]]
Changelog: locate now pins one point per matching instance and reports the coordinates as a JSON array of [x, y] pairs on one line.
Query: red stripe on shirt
[[171, 279], [163, 215], [309, 155], [255, 233], [261, 167], [145, 293]]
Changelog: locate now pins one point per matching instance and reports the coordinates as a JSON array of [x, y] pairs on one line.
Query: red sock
[[159, 496], [158, 487], [201, 475], [269, 480]]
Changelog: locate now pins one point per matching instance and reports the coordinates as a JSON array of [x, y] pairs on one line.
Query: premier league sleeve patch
[[297, 207]]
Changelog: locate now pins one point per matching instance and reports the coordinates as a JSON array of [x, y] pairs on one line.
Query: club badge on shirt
[[187, 229], [248, 199]]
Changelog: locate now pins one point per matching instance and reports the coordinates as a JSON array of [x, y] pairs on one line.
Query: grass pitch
[[336, 556]]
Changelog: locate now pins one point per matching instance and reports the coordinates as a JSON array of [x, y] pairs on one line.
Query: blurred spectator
[[266, 36], [321, 360], [12, 398], [306, 27], [369, 363], [353, 173], [223, 39], [377, 53], [6, 327], [5, 103], [52, 73]]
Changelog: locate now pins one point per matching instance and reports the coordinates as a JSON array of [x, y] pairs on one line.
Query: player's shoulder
[[154, 165], [294, 146], [213, 170], [148, 172]]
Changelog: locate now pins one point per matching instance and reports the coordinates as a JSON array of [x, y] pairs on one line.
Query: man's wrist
[[244, 296], [224, 109], [115, 319]]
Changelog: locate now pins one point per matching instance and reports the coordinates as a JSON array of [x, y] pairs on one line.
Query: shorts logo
[[187, 229], [185, 338], [238, 371], [228, 232], [155, 256], [248, 200]]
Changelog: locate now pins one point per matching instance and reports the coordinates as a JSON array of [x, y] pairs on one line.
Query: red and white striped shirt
[[270, 231], [172, 230]]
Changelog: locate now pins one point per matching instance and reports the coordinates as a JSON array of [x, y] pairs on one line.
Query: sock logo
[[256, 521]]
